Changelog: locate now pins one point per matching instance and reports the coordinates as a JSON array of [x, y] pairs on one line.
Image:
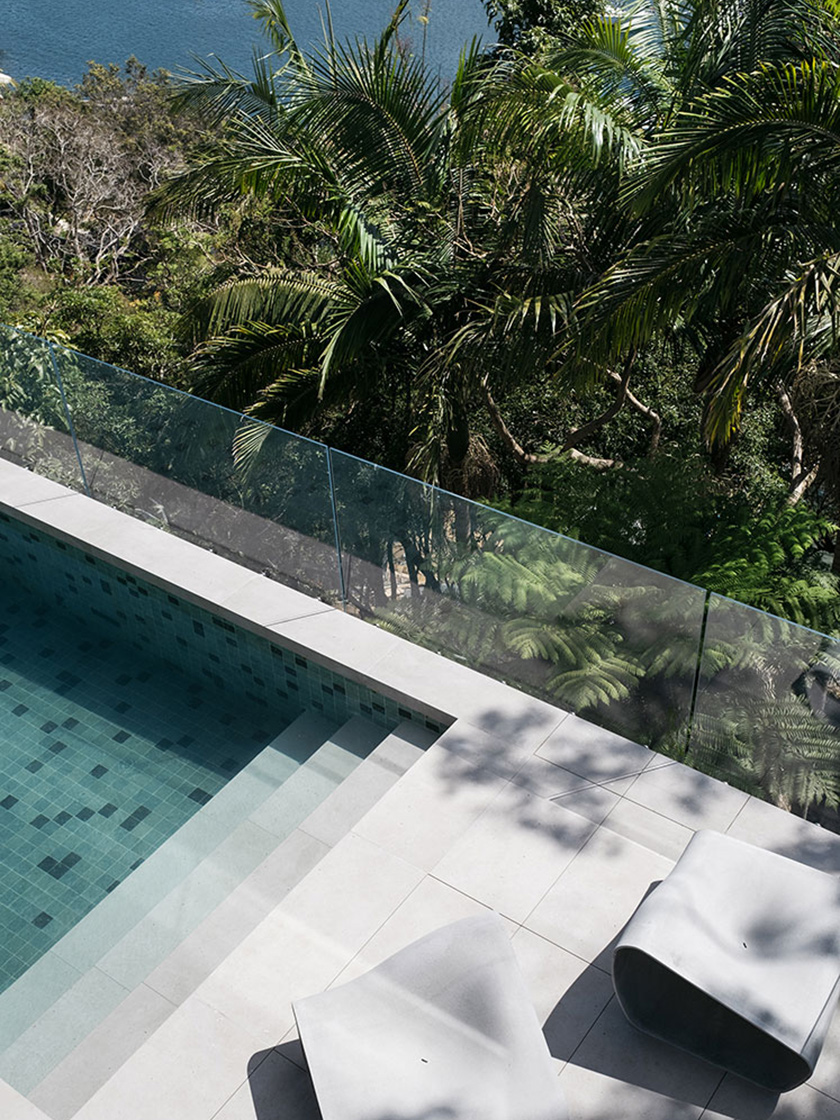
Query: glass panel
[[248, 491], [34, 432], [613, 641], [767, 715]]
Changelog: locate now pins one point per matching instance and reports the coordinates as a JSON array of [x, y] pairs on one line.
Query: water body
[[56, 40]]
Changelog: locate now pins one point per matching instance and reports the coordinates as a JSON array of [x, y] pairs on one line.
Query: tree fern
[[778, 751], [602, 682]]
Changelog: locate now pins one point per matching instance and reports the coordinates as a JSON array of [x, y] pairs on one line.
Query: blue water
[[123, 710], [56, 40]]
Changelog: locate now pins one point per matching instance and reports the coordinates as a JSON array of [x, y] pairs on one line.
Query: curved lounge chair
[[443, 1030], [735, 957]]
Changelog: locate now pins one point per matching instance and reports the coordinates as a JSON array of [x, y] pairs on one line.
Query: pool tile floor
[[105, 754]]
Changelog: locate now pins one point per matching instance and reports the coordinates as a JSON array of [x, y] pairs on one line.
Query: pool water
[[105, 753], [123, 710]]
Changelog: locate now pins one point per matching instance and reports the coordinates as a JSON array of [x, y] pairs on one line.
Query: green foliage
[[77, 257], [359, 142], [140, 103], [35, 90], [672, 514], [614, 642], [536, 25], [104, 324], [28, 387], [439, 258], [771, 561], [569, 623], [774, 750], [14, 257], [766, 717], [734, 193]]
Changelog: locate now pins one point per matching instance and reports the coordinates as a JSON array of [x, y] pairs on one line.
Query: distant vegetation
[[593, 277]]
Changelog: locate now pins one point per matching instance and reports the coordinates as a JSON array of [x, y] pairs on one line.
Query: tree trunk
[[458, 439]]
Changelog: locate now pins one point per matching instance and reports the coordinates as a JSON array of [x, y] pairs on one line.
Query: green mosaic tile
[[124, 709]]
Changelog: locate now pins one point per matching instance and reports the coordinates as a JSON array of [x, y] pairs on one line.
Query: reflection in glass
[[34, 430], [593, 633], [248, 491], [767, 715]]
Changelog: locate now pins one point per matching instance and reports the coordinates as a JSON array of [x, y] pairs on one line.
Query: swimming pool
[[124, 709]]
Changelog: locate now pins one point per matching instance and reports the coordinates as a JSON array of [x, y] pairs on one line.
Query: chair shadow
[[592, 1034], [281, 1088]]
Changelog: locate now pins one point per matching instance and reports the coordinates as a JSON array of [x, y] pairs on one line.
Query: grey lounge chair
[[442, 1030], [735, 957]]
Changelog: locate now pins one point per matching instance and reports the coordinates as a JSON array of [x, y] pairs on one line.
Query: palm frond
[[274, 295], [217, 92], [235, 368], [616, 55], [788, 115], [271, 15], [800, 322]]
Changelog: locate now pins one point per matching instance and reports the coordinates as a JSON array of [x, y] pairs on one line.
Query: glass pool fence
[[735, 692]]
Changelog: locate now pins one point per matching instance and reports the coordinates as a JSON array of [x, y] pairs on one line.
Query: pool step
[[65, 1089], [209, 943], [76, 1046], [272, 818], [83, 946], [88, 972]]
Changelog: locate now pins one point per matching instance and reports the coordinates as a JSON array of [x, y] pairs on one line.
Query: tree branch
[[800, 478], [586, 430], [591, 460], [645, 410], [526, 457]]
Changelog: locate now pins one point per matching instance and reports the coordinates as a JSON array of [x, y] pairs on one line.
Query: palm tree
[[450, 232], [368, 151], [735, 194], [446, 240]]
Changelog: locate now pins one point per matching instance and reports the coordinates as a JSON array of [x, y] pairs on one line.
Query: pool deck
[[520, 807]]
